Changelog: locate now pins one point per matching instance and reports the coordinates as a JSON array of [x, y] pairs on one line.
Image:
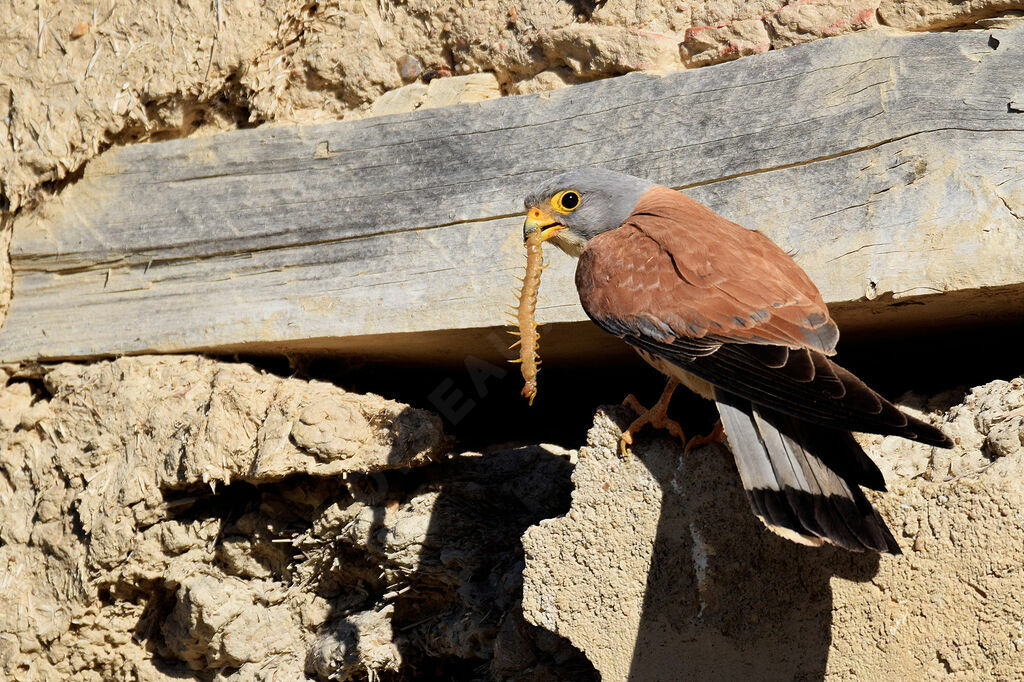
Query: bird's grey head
[[572, 208]]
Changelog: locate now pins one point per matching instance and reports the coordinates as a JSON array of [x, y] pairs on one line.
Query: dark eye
[[566, 201]]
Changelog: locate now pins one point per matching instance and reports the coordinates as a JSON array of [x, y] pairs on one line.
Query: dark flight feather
[[800, 479]]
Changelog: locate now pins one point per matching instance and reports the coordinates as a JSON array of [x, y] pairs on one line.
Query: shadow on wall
[[472, 549], [725, 598], [446, 542], [442, 591]]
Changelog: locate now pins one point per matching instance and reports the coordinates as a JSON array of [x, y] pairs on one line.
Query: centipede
[[529, 335]]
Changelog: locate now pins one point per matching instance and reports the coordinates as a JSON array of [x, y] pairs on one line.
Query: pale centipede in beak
[[529, 336]]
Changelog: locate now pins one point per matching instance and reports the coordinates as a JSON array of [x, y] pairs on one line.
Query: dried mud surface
[[177, 517], [660, 571], [76, 78]]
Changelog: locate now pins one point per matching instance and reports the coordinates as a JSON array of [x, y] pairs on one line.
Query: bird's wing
[[729, 306], [681, 269]]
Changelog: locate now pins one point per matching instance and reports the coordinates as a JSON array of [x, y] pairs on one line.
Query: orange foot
[[656, 416], [698, 441]]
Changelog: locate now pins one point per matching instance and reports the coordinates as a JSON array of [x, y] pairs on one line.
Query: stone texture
[[549, 79], [330, 558], [600, 51], [440, 92], [119, 567], [777, 27], [703, 45], [660, 571], [6, 274], [194, 420], [932, 15], [800, 22]]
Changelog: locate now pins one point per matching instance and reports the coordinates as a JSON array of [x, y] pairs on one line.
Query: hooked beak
[[538, 220]]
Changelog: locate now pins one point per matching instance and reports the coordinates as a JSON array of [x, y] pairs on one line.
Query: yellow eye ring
[[566, 201]]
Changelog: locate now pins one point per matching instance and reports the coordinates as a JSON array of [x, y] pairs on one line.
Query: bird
[[729, 314]]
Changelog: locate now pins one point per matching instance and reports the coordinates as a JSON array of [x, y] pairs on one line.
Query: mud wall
[[175, 516], [167, 517], [76, 78]]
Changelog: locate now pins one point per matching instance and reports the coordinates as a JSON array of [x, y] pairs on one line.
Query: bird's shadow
[[725, 598]]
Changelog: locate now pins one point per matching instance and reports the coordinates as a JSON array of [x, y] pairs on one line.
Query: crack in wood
[[411, 225]]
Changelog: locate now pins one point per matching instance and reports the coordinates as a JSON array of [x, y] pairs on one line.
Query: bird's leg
[[656, 416], [714, 437]]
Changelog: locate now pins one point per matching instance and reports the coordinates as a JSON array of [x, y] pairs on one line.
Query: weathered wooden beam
[[892, 165]]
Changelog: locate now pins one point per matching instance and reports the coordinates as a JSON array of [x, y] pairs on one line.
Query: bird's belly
[[695, 384]]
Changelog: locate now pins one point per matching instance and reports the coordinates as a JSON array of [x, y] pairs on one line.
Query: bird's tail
[[803, 480]]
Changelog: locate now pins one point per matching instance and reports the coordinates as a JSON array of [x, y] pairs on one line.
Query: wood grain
[[893, 167]]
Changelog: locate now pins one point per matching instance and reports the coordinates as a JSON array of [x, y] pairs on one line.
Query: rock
[[440, 92], [585, 572], [704, 45], [1001, 21], [6, 274], [985, 424], [525, 652], [217, 623], [312, 63], [660, 571], [791, 24], [34, 611], [400, 100], [477, 87], [549, 79], [409, 68], [79, 30], [921, 15], [343, 558], [15, 400], [593, 51], [802, 22]]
